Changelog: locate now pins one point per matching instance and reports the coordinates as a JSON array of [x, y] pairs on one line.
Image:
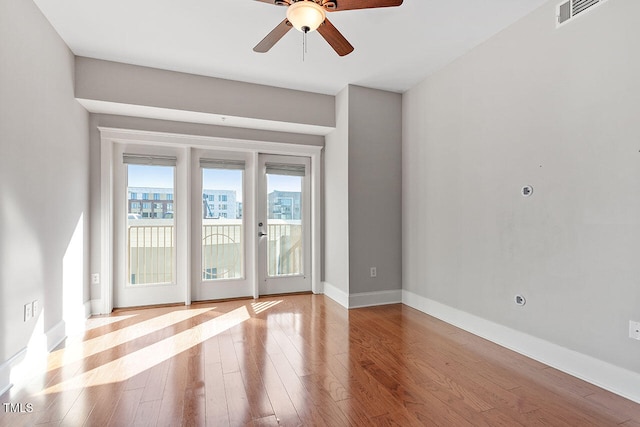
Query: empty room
[[319, 212]]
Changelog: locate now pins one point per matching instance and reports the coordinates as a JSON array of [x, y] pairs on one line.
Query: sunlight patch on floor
[[259, 307], [76, 351], [98, 322], [132, 364]]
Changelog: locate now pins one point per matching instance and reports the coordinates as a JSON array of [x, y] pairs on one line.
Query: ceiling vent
[[571, 8]]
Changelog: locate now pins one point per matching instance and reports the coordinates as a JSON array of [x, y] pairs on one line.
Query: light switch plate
[[28, 314]]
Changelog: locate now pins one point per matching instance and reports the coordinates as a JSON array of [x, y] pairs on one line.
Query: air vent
[[572, 8]]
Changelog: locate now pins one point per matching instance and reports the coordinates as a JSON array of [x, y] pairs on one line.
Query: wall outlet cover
[[634, 330]]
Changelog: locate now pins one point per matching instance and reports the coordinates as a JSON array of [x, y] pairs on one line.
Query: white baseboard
[[602, 374], [336, 294], [31, 357], [96, 306], [369, 299], [56, 335], [5, 378], [364, 299], [5, 370]]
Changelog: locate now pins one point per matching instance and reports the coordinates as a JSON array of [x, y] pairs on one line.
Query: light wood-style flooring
[[299, 360]]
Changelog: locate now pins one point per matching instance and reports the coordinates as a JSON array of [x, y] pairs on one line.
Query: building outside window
[[284, 204], [220, 210]]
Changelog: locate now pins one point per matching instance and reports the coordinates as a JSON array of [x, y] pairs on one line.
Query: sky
[[213, 179]]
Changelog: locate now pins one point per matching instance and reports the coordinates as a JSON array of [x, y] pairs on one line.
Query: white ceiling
[[395, 48]]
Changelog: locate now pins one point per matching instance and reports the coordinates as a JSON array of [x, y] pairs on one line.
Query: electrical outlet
[[374, 272], [28, 314], [35, 306], [95, 279], [634, 330]]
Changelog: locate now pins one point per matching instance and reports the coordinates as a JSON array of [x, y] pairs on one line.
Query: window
[[150, 244], [133, 196], [222, 242], [169, 196], [284, 251]]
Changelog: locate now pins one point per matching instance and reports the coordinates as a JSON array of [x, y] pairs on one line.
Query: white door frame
[[111, 136], [282, 284], [223, 288], [165, 293]]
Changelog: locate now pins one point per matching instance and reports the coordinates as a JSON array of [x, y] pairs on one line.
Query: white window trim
[[111, 136]]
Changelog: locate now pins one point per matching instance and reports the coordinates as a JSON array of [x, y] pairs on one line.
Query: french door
[[198, 224], [221, 262], [283, 224], [145, 214]]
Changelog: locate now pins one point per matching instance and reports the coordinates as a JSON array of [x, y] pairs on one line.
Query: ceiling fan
[[309, 15]]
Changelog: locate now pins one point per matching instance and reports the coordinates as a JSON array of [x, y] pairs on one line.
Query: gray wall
[[143, 86], [363, 193], [44, 176], [375, 189], [556, 109], [336, 198]]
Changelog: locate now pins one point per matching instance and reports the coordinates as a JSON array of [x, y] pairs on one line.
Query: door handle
[[261, 234]]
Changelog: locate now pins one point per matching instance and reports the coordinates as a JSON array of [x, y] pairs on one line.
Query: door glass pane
[[150, 224], [222, 242], [284, 225]]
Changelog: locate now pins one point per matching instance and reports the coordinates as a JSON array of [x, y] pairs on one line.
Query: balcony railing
[[151, 250], [284, 253], [150, 253], [221, 250]]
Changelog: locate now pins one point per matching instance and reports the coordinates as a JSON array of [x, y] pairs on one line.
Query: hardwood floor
[[299, 360]]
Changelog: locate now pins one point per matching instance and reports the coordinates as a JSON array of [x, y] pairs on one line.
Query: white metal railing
[[284, 252], [150, 254], [221, 250], [151, 250]]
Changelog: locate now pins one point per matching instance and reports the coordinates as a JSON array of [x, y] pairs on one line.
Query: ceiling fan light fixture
[[305, 16]]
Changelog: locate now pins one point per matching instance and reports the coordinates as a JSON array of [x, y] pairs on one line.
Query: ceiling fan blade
[[276, 2], [272, 38], [338, 5], [335, 38]]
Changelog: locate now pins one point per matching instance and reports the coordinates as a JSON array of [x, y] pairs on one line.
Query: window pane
[[284, 222], [222, 241], [150, 226]]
